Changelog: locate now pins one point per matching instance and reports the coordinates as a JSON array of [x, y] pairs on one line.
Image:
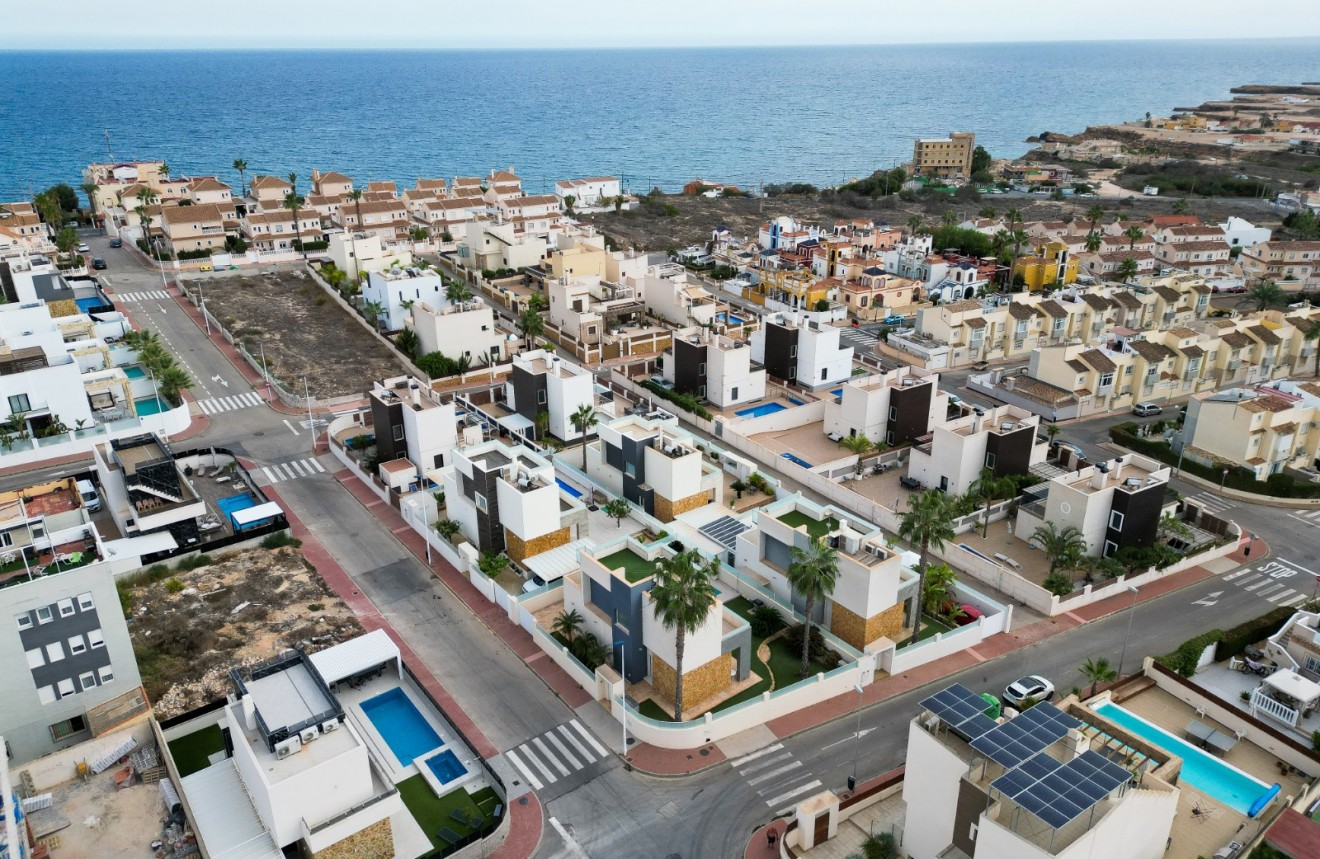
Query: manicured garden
[[930, 627], [815, 528], [193, 752], [635, 567], [432, 812]]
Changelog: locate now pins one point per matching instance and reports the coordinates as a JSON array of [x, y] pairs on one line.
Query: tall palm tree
[[172, 381], [1093, 241], [294, 203], [928, 523], [988, 212], [812, 573], [858, 444], [457, 292], [682, 597], [1064, 546], [241, 166], [1127, 269], [1013, 217], [988, 489], [1094, 216], [1266, 294], [1134, 234], [164, 170], [583, 420], [530, 324], [914, 224], [949, 218], [1097, 671], [568, 624], [1181, 206], [89, 188]]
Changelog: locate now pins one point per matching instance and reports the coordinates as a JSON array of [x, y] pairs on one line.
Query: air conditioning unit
[[332, 725], [308, 734], [291, 746]]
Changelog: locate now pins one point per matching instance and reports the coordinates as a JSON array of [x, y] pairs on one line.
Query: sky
[[445, 24]]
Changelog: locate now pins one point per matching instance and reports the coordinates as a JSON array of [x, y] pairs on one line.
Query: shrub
[[316, 606], [280, 539], [766, 621], [686, 402], [1058, 584], [200, 253], [173, 585], [1236, 638], [819, 652], [192, 562], [1184, 659]]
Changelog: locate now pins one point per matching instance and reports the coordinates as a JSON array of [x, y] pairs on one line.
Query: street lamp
[[311, 422], [1132, 612], [201, 296], [852, 780], [623, 673]]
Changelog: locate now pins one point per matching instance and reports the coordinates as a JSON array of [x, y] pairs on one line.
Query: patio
[[1228, 684], [808, 443], [1032, 563]]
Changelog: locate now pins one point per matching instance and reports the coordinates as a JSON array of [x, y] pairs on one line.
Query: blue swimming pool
[[1206, 773], [570, 490], [445, 766], [796, 460], [838, 392], [729, 318], [149, 406], [405, 730], [133, 371], [761, 410], [795, 401]]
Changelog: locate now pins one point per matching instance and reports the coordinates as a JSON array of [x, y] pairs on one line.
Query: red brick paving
[[1145, 593], [653, 760], [759, 845]]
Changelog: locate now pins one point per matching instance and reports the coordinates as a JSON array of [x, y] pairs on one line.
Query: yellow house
[[1051, 264], [581, 260], [798, 289]]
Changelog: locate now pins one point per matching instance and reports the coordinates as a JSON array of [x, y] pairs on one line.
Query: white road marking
[[272, 478], [595, 744], [768, 762], [778, 771], [522, 768], [1231, 576], [1281, 594], [549, 755], [573, 740], [792, 793], [574, 848], [291, 427], [526, 750], [754, 755], [316, 464], [562, 749]]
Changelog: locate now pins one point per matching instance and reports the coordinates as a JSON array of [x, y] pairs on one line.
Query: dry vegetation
[[189, 627]]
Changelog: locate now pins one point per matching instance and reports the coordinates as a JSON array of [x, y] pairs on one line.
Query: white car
[[82, 248], [1032, 686]]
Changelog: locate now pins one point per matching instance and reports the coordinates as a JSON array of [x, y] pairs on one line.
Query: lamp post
[[1223, 480], [1132, 612], [201, 296], [311, 422], [623, 673], [265, 371], [852, 780]]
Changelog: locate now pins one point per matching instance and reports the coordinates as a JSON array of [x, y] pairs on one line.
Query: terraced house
[[202, 226], [1267, 428], [1282, 261]]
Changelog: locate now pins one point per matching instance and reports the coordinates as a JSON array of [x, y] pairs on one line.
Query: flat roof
[[289, 697], [355, 655], [223, 815]]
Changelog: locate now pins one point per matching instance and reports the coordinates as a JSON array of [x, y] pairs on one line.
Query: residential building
[[411, 421], [1206, 258], [1241, 233], [1297, 645], [801, 350], [712, 367], [146, 491], [444, 215], [669, 295], [387, 219], [653, 465], [457, 331], [1050, 264], [944, 157], [790, 290], [875, 595], [593, 192], [1286, 262], [485, 245], [543, 382], [331, 184], [201, 226], [869, 292], [208, 190], [1267, 429], [506, 499], [529, 216], [966, 796], [1115, 504], [274, 230], [398, 288], [956, 451], [893, 407], [353, 253], [268, 192]]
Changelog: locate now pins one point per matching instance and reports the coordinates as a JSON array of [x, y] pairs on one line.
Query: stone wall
[[698, 684], [859, 631], [374, 842], [666, 510], [519, 550]]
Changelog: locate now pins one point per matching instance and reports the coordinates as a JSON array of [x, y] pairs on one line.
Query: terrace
[[634, 567], [815, 527]]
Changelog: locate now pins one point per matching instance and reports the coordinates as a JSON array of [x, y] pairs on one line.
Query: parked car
[[535, 583], [968, 614], [82, 248], [894, 319], [1145, 410], [1032, 686], [910, 482], [98, 263], [116, 243]]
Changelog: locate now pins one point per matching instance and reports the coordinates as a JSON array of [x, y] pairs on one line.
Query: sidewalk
[[524, 813]]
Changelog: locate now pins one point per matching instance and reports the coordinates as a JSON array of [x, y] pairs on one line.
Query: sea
[[655, 117]]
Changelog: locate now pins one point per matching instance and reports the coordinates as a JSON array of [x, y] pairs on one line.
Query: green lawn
[[432, 812], [635, 567], [191, 753], [929, 628], [796, 518]]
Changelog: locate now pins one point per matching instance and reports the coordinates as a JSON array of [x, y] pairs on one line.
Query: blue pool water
[[134, 372], [86, 304], [729, 318], [406, 732], [149, 406], [570, 490], [445, 766], [796, 459], [795, 401], [761, 410], [838, 392], [234, 503], [1206, 773]]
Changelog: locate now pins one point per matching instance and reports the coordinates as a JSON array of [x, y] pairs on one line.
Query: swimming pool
[[761, 410], [149, 406], [1206, 773], [133, 371], [570, 490], [405, 730], [795, 401], [729, 318], [445, 766], [796, 460]]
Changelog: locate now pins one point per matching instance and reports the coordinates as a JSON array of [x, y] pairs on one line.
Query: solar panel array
[[961, 709], [1060, 793], [1036, 729], [724, 530]]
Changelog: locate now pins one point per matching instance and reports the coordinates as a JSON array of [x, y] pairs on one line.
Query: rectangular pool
[[729, 318], [149, 406], [570, 490], [796, 459], [405, 730], [133, 371], [761, 410], [1206, 773]]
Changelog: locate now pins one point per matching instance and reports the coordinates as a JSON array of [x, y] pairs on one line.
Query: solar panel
[[975, 726], [957, 705], [724, 530], [1014, 741], [1060, 793]]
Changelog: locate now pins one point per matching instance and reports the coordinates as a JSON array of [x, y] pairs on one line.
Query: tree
[[64, 196], [172, 381], [1172, 526], [1181, 206], [67, 240], [1097, 671], [949, 218], [583, 420], [1094, 215], [568, 624], [373, 310], [981, 160], [569, 200], [812, 573], [447, 528], [1266, 294], [618, 510], [89, 191], [1065, 547], [1303, 224], [1093, 241], [542, 423], [682, 597], [408, 342], [928, 523], [530, 324], [1127, 270], [457, 292], [48, 207], [988, 489], [858, 444], [939, 592], [882, 845], [294, 203], [164, 170], [241, 166], [914, 224], [618, 204], [1134, 234], [988, 212]]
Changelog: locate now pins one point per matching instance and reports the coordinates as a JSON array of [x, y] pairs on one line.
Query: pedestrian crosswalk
[[1211, 502], [860, 339], [1312, 516], [216, 405], [777, 776], [557, 754], [1270, 581], [280, 472], [149, 295]]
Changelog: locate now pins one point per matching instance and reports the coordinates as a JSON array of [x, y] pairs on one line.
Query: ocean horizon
[[654, 116]]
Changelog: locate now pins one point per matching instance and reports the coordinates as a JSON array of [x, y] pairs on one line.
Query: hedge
[[686, 402], [1183, 660], [199, 253], [1235, 640], [318, 245], [1242, 479]]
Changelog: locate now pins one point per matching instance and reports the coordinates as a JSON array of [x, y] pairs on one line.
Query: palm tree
[[1266, 294], [294, 203], [1093, 241], [1013, 217], [914, 224], [682, 597], [89, 188], [812, 573], [1064, 546], [373, 310], [1172, 526], [1181, 206], [530, 324], [583, 420], [988, 489], [457, 292], [1313, 334], [949, 218], [858, 444], [1097, 671], [988, 212], [164, 170], [1094, 215], [172, 381], [1134, 234], [241, 166], [567, 624], [928, 523], [1127, 269]]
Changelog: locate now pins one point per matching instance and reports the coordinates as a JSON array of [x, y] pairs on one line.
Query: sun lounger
[[448, 835], [459, 817]]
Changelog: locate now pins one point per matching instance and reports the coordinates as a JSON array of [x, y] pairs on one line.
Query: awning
[[1293, 685], [557, 562], [515, 423], [223, 815], [355, 655], [248, 515], [136, 547]]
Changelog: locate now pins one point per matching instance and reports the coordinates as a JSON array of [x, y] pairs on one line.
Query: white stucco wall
[[930, 792]]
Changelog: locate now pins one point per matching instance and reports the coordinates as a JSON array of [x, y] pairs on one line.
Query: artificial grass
[[192, 753], [432, 812], [635, 567], [652, 710], [815, 528], [929, 628]]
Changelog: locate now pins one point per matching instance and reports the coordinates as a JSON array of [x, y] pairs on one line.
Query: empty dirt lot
[[303, 331]]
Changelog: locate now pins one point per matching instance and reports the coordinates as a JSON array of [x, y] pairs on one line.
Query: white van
[[90, 499]]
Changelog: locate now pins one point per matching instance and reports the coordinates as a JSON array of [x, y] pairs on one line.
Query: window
[[630, 469], [19, 403], [54, 651], [701, 369], [398, 432], [25, 620], [65, 687], [481, 503], [989, 460], [67, 728], [44, 614], [86, 681], [824, 374], [6, 538], [792, 351], [77, 645], [106, 673], [893, 413], [85, 602], [1116, 520], [1111, 548], [1106, 380], [46, 694], [35, 659], [540, 397], [96, 639], [66, 607], [1312, 665]]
